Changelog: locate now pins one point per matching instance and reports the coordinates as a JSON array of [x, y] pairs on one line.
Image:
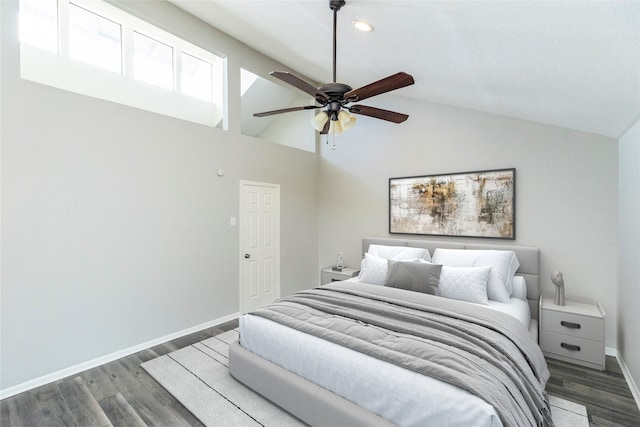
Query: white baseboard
[[73, 370], [630, 381]]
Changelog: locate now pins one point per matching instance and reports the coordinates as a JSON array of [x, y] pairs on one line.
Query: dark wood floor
[[120, 393], [605, 394]]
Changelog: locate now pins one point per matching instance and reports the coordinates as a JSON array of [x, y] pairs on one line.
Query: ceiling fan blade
[[378, 113], [297, 82], [284, 110], [325, 129], [387, 84]]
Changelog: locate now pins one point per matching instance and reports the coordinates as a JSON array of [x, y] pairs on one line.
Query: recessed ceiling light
[[362, 25]]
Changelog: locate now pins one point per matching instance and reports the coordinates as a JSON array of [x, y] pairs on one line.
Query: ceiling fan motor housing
[[336, 4], [335, 91]]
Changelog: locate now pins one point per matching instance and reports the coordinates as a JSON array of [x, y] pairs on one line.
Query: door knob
[[247, 256]]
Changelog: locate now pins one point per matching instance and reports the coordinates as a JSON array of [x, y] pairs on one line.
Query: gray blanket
[[487, 353]]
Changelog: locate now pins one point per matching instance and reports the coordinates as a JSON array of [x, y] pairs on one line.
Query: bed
[[329, 372]]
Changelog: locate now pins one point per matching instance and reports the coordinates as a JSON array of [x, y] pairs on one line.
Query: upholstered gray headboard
[[527, 256]]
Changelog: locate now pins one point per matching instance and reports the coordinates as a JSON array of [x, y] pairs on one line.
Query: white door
[[259, 244]]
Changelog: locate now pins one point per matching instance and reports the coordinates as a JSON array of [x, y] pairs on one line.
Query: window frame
[[54, 69]]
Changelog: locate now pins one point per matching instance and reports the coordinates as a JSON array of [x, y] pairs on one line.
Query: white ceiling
[[565, 63]]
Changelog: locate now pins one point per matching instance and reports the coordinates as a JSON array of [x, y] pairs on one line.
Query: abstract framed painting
[[468, 204]]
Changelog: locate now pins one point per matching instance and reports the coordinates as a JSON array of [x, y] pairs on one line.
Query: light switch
[[232, 221]]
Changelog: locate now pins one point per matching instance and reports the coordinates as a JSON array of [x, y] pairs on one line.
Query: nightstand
[[573, 332], [328, 275]]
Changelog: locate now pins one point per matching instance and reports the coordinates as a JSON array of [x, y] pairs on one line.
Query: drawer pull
[[335, 280], [570, 346], [570, 325]]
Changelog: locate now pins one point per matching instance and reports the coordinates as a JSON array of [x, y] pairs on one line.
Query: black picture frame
[[463, 204]]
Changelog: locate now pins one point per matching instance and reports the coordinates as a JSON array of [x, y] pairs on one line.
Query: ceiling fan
[[334, 97]]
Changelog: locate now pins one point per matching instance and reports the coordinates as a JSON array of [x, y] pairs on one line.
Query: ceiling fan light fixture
[[319, 120], [347, 121], [335, 128], [361, 25]]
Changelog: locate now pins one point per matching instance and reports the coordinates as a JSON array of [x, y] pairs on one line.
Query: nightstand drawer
[[574, 348], [590, 328], [329, 277]]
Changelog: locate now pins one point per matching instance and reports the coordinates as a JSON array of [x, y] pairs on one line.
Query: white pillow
[[464, 283], [373, 270], [500, 262], [519, 288], [513, 267], [399, 253]]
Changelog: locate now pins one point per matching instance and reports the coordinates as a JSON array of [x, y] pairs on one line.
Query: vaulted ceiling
[[572, 64]]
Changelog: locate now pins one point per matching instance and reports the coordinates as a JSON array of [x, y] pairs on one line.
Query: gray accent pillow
[[413, 276]]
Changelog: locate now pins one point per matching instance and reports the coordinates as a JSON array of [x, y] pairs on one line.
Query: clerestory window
[[96, 49]]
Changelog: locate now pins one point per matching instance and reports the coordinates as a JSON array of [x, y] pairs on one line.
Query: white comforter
[[401, 396]]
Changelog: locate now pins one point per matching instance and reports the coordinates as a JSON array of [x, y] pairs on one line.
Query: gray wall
[[629, 251], [566, 187], [115, 226]]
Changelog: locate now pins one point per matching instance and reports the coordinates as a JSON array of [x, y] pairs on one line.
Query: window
[[39, 23], [196, 77], [94, 39], [116, 56], [153, 61]]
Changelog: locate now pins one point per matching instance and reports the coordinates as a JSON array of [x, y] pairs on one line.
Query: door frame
[[242, 250]]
